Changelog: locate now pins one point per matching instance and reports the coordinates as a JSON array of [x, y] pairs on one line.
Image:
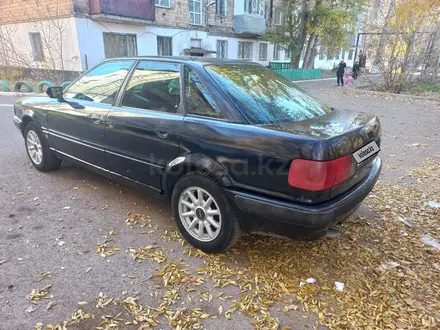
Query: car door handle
[[162, 131], [96, 119]]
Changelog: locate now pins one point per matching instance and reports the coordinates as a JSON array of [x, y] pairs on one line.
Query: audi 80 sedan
[[233, 145]]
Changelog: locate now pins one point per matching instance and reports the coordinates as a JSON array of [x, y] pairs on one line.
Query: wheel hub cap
[[200, 213]]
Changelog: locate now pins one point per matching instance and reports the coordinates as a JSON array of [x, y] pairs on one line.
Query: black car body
[[149, 121]]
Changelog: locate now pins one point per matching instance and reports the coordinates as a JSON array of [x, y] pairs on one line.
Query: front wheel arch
[[24, 122]]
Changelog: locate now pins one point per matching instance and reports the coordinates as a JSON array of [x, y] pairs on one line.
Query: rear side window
[[263, 96], [198, 99], [154, 86], [100, 85]]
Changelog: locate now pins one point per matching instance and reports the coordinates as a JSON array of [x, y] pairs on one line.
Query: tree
[[409, 42], [322, 22], [54, 31]]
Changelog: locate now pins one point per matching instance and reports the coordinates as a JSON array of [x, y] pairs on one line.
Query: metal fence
[[283, 68]]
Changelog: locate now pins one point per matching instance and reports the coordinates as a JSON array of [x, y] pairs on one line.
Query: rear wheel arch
[[190, 163]]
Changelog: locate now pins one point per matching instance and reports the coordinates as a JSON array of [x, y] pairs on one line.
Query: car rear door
[[76, 123], [142, 131]]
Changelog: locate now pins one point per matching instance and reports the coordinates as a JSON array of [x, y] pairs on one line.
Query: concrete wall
[[15, 11], [18, 34], [178, 16], [91, 40]]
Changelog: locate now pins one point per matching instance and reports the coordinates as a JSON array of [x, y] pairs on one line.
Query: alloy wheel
[[34, 147], [200, 214]]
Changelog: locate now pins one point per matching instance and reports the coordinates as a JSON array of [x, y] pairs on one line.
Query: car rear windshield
[[263, 96]]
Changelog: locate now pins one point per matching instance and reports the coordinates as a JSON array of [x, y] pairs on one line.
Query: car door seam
[[73, 139]]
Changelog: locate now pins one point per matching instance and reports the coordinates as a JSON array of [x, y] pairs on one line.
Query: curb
[[14, 94], [405, 96]]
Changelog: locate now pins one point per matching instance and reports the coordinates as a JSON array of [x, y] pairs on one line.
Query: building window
[[244, 50], [288, 54], [278, 20], [263, 52], [276, 52], [221, 7], [119, 45], [255, 7], [343, 54], [195, 12], [164, 46], [350, 55], [163, 3], [222, 49], [37, 46], [196, 43], [321, 56]]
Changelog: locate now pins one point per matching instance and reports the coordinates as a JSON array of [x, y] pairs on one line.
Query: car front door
[[76, 123], [142, 133]]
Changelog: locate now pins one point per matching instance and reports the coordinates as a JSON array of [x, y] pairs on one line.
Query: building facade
[[88, 31]]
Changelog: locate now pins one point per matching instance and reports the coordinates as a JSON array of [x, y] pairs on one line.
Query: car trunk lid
[[338, 134]]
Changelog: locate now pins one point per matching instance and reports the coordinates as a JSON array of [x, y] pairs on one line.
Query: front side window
[[100, 85], [263, 52], [119, 45], [263, 96], [163, 3], [195, 12], [245, 50], [255, 7], [198, 99], [222, 49], [154, 86], [164, 46], [37, 46]]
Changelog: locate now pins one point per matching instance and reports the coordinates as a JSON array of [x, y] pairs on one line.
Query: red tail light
[[320, 175]]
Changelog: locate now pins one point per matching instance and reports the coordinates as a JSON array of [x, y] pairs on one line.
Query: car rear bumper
[[302, 221]]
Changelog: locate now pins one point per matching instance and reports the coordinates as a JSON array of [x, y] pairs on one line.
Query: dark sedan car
[[235, 146]]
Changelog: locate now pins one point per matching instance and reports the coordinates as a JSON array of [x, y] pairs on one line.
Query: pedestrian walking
[[356, 70], [340, 73], [347, 77]]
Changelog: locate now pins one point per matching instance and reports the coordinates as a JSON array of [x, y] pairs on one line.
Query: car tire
[[38, 149], [213, 209]]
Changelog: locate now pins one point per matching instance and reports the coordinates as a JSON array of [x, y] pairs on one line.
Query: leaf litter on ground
[[389, 278]]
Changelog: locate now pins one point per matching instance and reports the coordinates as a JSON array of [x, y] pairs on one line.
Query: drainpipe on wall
[[206, 12]]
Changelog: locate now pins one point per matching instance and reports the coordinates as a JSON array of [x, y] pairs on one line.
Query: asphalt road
[[53, 222]]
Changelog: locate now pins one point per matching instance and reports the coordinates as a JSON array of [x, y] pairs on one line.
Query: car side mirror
[[55, 92]]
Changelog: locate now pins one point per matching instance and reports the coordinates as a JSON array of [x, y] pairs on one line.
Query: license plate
[[366, 152]]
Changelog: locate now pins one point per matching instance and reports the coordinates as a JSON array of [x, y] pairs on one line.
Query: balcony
[[248, 25], [123, 11]]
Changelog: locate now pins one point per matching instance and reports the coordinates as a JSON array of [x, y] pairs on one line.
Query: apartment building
[[74, 35]]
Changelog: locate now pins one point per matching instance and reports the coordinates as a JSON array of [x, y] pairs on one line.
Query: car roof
[[188, 59]]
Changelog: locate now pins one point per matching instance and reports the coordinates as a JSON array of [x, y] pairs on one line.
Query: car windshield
[[263, 96]]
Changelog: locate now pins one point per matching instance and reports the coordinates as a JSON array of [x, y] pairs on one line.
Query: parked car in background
[[233, 145]]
